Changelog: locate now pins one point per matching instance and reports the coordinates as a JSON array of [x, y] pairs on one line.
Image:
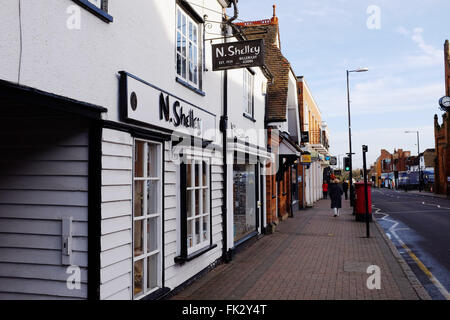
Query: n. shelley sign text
[[146, 104], [235, 55]]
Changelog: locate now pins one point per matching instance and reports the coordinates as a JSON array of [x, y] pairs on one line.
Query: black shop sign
[[235, 55]]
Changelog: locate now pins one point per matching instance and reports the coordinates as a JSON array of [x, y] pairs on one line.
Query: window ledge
[[103, 15], [249, 117], [190, 87], [181, 260]]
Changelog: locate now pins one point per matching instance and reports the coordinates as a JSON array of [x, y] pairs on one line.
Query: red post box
[[360, 200]]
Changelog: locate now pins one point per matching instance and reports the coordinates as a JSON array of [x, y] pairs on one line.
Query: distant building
[[441, 135]]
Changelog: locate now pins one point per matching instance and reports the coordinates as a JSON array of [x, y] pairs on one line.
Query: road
[[419, 225]]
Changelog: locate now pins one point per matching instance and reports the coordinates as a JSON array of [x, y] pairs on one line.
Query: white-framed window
[[197, 205], [97, 3], [248, 92], [188, 48], [147, 218], [97, 7]]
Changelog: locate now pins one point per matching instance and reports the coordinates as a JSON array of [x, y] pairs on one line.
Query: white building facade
[[115, 174]]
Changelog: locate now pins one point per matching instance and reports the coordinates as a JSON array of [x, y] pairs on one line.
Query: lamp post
[[418, 157], [352, 193]]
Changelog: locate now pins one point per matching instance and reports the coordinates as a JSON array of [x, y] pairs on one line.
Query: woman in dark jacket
[[335, 191]]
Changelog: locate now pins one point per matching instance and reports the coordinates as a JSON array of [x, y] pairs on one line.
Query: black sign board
[[235, 55], [305, 136]]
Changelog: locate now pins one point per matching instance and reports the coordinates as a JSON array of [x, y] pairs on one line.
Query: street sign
[[236, 55]]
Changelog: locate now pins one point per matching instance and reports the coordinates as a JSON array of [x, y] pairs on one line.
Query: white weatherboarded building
[[112, 170]]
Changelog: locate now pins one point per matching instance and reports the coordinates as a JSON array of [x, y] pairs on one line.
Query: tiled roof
[[278, 65]]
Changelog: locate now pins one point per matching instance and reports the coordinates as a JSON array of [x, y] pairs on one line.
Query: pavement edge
[[415, 283]]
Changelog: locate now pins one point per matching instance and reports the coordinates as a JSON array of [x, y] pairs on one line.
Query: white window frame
[[204, 212], [145, 217], [248, 92], [193, 61]]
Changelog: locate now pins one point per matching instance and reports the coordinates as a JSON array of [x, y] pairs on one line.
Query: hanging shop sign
[[305, 136], [145, 104], [235, 55]]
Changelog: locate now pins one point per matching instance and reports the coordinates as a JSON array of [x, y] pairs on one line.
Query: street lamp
[[352, 193], [418, 157]]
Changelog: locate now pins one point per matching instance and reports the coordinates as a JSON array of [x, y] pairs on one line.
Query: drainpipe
[[226, 254]]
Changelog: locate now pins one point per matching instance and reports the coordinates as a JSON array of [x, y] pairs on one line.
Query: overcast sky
[[403, 50]]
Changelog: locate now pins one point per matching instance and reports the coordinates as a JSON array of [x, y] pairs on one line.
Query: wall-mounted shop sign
[[305, 158], [235, 55], [145, 104]]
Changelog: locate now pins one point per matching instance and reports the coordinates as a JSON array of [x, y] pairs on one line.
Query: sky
[[401, 42]]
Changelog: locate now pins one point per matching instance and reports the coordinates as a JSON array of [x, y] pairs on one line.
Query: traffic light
[[347, 164]]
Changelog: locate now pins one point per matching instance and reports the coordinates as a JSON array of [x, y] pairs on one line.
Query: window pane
[[190, 235], [191, 30], [139, 159], [189, 175], [152, 276], [138, 277], [179, 64], [197, 231], [197, 174], [138, 238], [138, 198], [205, 174], [197, 202], [205, 228], [153, 197], [183, 24], [195, 34], [153, 161], [152, 235], [189, 202], [195, 71], [178, 42], [179, 19], [205, 201], [183, 46], [183, 66], [97, 3]]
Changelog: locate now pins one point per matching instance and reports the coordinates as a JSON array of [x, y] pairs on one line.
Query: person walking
[[345, 189], [336, 193], [325, 189]]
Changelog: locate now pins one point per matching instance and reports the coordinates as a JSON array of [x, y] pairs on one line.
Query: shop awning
[[289, 152], [13, 94]]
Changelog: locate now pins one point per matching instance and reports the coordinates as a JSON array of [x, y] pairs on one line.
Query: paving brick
[[312, 256]]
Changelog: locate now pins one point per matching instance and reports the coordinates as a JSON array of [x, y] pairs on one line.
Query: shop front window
[[147, 215], [244, 196], [196, 205]]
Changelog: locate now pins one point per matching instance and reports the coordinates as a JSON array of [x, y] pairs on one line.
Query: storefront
[[175, 206], [245, 195]]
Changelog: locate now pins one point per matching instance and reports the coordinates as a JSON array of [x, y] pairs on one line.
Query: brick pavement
[[312, 256]]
